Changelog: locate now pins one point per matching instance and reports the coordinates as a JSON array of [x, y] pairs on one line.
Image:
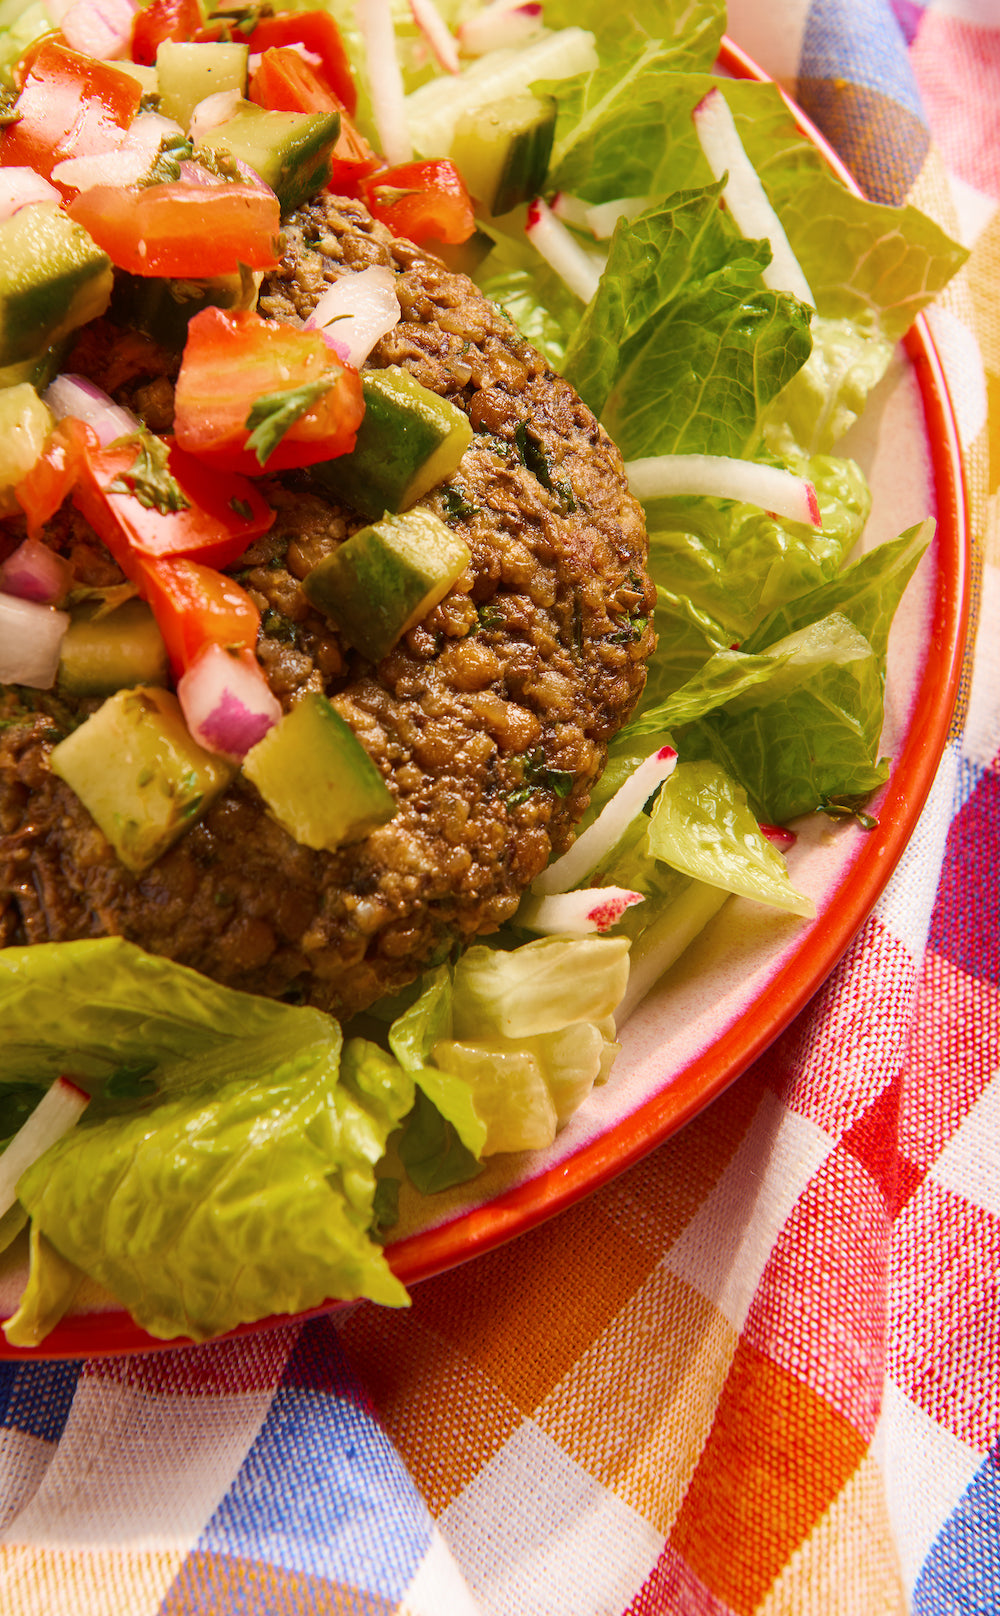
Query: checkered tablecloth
[[759, 1372]]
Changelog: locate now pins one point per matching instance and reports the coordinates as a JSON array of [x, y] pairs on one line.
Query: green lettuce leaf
[[824, 399], [225, 1167], [701, 824], [808, 733], [412, 1037], [682, 347]]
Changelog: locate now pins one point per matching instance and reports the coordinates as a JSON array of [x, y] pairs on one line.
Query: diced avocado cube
[[187, 73], [384, 579], [409, 441], [139, 773], [316, 777], [53, 278], [163, 308], [502, 150], [289, 150], [113, 651], [25, 423]]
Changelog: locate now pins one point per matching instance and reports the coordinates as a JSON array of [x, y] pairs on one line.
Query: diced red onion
[[19, 187], [436, 32], [30, 638], [744, 195], [364, 305], [385, 80], [339, 348], [610, 825], [227, 703], [503, 24], [576, 914], [213, 110], [579, 269], [772, 488], [59, 1108], [36, 572], [149, 130], [123, 166], [85, 401], [100, 28]]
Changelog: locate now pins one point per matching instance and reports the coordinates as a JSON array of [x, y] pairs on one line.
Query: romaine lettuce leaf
[[807, 734], [231, 1175], [701, 824], [514, 1039], [824, 399], [683, 346]]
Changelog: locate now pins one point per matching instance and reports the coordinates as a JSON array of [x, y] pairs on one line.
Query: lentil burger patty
[[489, 721]]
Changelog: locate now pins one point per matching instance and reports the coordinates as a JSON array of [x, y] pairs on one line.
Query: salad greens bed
[[231, 1162]]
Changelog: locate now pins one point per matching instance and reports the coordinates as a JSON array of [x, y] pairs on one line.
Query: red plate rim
[[481, 1229]]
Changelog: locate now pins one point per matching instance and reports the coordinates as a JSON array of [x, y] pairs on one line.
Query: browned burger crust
[[489, 721]]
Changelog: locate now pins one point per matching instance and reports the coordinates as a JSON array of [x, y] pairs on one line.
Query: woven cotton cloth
[[758, 1372]]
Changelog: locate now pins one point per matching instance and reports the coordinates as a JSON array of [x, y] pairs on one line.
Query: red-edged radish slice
[[579, 269], [576, 914], [723, 477], [227, 703], [572, 210], [506, 24], [385, 80], [744, 195], [656, 949], [434, 29], [610, 825], [779, 836], [31, 637], [59, 1109]]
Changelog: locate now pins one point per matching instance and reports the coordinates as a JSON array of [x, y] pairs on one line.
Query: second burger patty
[[489, 721]]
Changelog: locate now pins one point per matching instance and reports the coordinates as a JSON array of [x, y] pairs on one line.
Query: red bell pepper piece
[[69, 106], [183, 230], [232, 361], [318, 34], [424, 201], [54, 475], [222, 517], [160, 20], [195, 605]]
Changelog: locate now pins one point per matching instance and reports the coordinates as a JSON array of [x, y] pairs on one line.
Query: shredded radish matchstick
[[723, 477], [56, 1112], [385, 81], [576, 914], [579, 269], [432, 25], [745, 196], [611, 823]]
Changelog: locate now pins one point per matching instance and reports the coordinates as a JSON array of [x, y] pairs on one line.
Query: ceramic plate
[[751, 971]]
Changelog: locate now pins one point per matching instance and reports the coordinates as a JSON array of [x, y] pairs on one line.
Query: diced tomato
[[53, 476], [224, 514], [232, 360], [70, 106], [182, 230], [424, 201], [160, 20], [318, 34], [195, 605], [286, 82]]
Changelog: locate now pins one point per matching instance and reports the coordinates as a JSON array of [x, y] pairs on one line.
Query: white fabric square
[[926, 1471], [967, 1164], [139, 1471], [724, 1249], [533, 1513]]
